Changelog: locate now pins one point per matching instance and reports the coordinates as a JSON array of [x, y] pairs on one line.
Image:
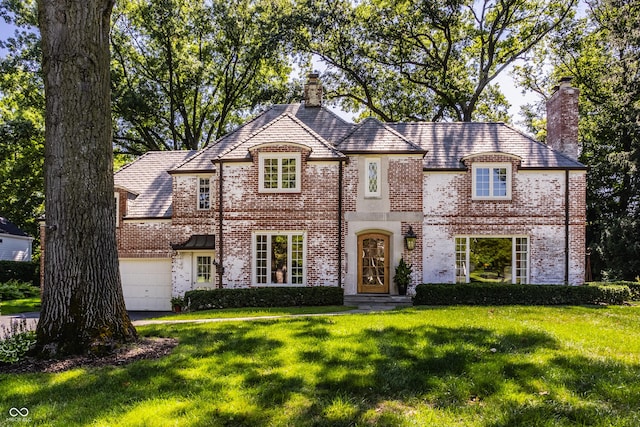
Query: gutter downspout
[[566, 227], [340, 182], [220, 240]]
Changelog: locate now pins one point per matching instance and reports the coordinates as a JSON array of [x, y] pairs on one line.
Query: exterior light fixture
[[410, 239]]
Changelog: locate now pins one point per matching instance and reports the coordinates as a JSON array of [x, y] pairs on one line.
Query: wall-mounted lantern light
[[410, 239]]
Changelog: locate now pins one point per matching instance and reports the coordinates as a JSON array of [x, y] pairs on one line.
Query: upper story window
[[279, 173], [491, 181], [204, 193], [372, 178]]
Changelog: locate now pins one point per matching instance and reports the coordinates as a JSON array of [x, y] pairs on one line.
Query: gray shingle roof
[[148, 178], [320, 120], [447, 143], [371, 135], [286, 128], [7, 227]]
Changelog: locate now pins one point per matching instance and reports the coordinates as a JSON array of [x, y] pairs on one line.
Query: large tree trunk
[[83, 308]]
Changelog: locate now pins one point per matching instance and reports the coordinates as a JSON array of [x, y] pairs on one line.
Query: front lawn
[[24, 305], [445, 366], [229, 313]]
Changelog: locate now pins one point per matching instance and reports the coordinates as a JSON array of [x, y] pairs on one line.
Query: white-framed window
[[204, 193], [491, 181], [203, 269], [279, 258], [372, 180], [279, 172], [492, 259]]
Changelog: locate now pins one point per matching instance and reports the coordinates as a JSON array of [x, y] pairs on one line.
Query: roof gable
[[448, 143], [286, 128], [374, 136], [321, 121]]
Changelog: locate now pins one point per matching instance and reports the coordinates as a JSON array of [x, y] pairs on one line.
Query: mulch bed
[[145, 348]]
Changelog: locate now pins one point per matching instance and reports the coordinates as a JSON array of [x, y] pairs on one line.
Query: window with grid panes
[[279, 258], [279, 172]]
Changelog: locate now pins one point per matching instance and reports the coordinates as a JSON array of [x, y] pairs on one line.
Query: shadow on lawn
[[240, 374]]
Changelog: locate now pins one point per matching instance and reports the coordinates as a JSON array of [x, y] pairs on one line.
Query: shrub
[[16, 341], [264, 297], [14, 289], [634, 287], [508, 294], [21, 271]]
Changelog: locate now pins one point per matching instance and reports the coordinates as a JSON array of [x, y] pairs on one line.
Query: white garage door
[[146, 284]]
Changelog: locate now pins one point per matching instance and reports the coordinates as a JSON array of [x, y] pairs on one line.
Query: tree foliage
[[21, 119], [408, 60], [185, 71], [602, 52]]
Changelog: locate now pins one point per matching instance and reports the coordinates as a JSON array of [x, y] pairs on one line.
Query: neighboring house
[[15, 244], [299, 197]]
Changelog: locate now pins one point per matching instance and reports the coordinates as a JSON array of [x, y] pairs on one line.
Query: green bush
[[14, 289], [21, 271], [508, 294], [634, 287], [263, 297], [16, 342]]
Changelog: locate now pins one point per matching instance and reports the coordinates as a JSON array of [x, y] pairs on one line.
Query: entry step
[[377, 302]]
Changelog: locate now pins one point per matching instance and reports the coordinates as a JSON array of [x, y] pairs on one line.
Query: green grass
[[16, 306], [229, 313], [449, 366]]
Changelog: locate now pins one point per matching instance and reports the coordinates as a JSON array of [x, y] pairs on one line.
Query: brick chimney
[[562, 119], [313, 91]]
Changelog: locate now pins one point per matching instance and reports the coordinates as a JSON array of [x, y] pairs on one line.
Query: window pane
[[270, 173], [372, 177], [482, 182], [499, 182], [261, 258], [297, 259], [461, 260], [279, 259], [288, 173], [204, 194], [490, 259], [204, 269], [521, 253]]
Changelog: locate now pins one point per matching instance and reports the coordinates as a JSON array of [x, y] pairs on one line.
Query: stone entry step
[[377, 302]]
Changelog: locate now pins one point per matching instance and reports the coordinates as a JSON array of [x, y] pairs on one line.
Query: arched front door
[[373, 263]]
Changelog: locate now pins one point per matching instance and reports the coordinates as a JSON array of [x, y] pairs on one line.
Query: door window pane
[[204, 269], [373, 262]]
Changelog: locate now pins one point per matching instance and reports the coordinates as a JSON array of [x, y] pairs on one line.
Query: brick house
[[298, 197]]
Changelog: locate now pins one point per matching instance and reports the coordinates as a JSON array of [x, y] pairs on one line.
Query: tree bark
[[83, 308]]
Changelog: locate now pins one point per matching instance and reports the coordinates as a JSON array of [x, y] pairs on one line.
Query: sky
[[513, 94]]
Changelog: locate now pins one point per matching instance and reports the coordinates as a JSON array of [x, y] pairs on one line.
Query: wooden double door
[[373, 263]]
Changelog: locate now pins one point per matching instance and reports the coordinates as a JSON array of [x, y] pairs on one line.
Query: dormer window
[[491, 181], [279, 173]]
